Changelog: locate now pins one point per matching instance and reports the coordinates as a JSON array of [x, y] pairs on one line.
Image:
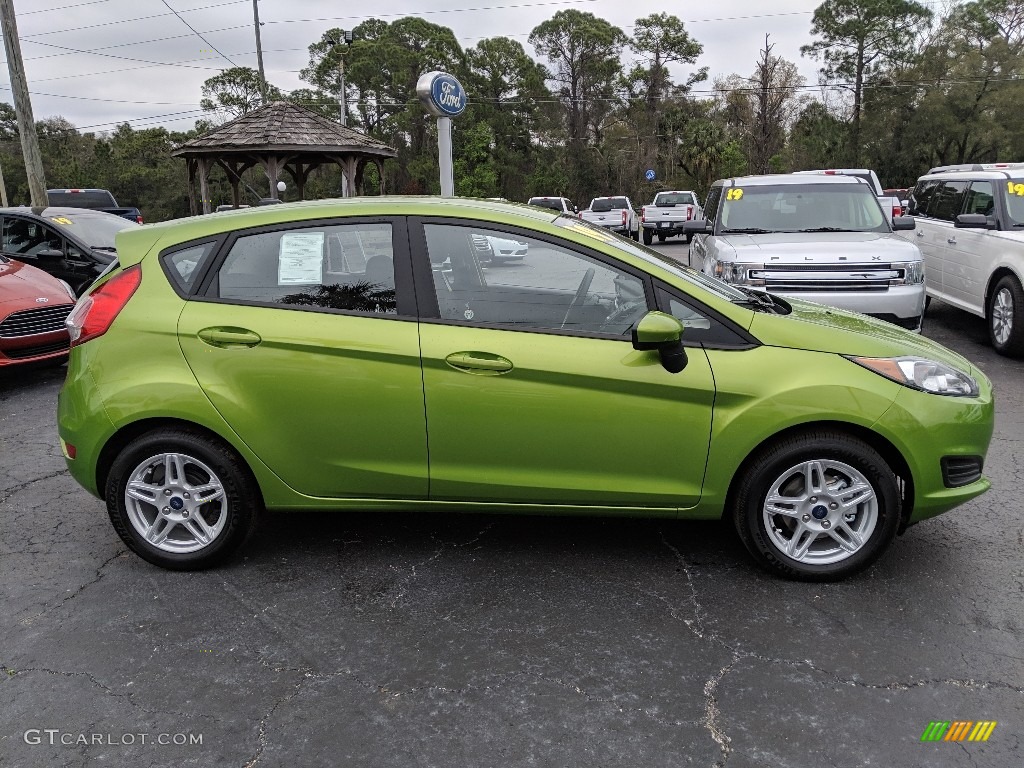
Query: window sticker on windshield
[[301, 259], [734, 194], [61, 220], [1015, 188]]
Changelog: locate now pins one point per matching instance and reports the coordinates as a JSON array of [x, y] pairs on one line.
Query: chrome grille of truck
[[826, 277], [31, 322]]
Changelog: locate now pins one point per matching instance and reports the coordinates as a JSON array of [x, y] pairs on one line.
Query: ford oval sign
[[441, 94]]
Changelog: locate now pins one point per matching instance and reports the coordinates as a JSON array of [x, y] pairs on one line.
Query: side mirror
[[903, 223], [971, 221], [699, 226], [661, 331], [50, 254]]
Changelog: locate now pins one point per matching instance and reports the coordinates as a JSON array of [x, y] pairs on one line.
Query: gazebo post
[[204, 187], [190, 164], [271, 164], [380, 175]]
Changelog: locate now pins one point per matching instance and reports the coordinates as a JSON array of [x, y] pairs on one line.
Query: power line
[[182, 19], [62, 7], [131, 20]]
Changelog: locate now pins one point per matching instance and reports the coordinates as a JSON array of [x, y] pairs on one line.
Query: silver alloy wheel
[[1002, 315], [176, 503], [820, 512]]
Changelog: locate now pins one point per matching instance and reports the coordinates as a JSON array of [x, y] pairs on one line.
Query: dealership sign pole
[[444, 97]]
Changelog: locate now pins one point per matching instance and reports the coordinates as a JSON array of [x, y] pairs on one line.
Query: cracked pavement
[[467, 640]]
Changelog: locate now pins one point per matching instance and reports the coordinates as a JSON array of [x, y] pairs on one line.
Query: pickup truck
[[94, 200], [668, 212], [615, 213]]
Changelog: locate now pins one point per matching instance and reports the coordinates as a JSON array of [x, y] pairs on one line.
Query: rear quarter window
[[184, 265]]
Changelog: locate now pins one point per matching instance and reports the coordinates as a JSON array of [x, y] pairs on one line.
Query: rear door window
[[947, 200], [980, 198], [348, 267]]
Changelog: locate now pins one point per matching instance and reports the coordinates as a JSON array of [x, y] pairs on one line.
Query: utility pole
[[346, 38], [23, 107], [259, 50]]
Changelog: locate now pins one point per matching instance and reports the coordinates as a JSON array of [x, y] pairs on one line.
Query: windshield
[[801, 208], [83, 198], [664, 199], [554, 203], [95, 230], [1015, 201], [694, 277], [602, 204]]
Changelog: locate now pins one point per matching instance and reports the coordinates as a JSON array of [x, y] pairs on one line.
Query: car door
[[971, 256], [946, 202], [32, 242], [304, 338], [927, 235], [534, 393]]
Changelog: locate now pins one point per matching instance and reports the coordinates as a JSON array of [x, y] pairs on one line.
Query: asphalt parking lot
[[429, 640]]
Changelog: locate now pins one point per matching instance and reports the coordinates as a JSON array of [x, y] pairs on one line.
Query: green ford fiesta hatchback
[[355, 355]]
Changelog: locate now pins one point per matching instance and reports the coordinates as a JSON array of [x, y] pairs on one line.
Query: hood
[[21, 285], [820, 248], [827, 329]]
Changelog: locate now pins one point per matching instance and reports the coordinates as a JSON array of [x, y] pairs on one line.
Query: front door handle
[[479, 362], [920, 233], [951, 240], [229, 337]]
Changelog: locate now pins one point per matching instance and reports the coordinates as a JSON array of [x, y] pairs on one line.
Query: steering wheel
[[581, 294]]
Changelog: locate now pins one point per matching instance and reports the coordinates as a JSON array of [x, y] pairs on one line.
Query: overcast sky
[[102, 62]]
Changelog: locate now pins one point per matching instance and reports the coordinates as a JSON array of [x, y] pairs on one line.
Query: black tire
[[689, 238], [648, 236], [1005, 317], [782, 459], [635, 235], [240, 505]]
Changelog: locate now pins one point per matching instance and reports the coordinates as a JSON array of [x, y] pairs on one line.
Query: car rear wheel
[[1006, 317], [181, 500], [817, 507], [648, 237]]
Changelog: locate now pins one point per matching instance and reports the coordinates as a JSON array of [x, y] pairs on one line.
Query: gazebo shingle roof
[[283, 126]]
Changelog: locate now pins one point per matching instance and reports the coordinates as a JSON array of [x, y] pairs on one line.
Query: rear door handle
[[951, 240], [479, 362], [229, 337], [920, 233]]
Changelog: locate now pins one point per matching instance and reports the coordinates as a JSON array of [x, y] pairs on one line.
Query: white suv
[[970, 228], [561, 204]]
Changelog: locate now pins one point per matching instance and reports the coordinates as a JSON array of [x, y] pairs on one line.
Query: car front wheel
[[817, 507], [180, 499], [1006, 317]]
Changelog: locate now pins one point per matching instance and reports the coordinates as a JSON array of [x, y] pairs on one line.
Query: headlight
[[69, 289], [920, 373], [913, 273], [738, 273]]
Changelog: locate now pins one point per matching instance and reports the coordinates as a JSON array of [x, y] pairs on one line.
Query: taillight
[[689, 212], [897, 210], [138, 219], [93, 315], [625, 216], [643, 213]]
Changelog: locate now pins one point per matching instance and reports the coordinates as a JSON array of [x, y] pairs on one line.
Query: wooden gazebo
[[280, 137]]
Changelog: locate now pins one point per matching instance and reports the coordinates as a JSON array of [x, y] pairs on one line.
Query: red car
[[33, 307]]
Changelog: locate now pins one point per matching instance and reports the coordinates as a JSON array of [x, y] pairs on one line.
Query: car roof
[[168, 233], [776, 179], [51, 211], [675, 192], [977, 175]]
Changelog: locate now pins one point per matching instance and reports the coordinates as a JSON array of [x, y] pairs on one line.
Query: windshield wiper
[[756, 298], [828, 229], [747, 231]]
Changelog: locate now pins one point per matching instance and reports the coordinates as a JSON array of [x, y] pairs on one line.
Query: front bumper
[[900, 304]]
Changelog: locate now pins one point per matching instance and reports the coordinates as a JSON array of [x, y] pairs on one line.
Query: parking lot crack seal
[[261, 746], [712, 719], [9, 492], [129, 697], [97, 578]]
